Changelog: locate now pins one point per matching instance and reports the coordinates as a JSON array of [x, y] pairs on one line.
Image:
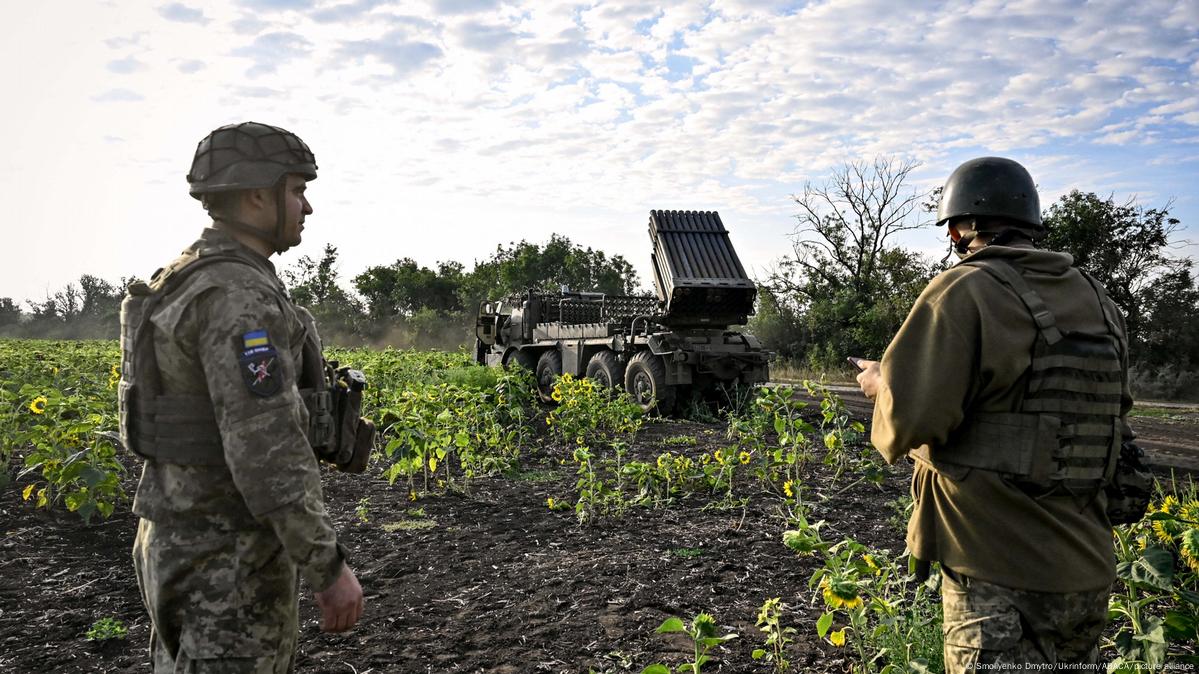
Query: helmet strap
[[280, 214], [244, 228], [961, 247]]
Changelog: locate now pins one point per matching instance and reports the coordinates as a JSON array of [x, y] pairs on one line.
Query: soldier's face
[[296, 208]]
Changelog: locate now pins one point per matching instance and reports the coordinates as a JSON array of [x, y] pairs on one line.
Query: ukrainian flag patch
[[255, 338], [259, 363]]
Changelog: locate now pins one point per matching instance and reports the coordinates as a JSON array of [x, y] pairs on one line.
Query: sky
[[444, 128]]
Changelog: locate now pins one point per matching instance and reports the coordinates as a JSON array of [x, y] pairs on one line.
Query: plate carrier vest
[[1068, 431], [182, 429]]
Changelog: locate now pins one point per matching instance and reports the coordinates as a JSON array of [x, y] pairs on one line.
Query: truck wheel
[[605, 370], [520, 359], [549, 368], [645, 380]]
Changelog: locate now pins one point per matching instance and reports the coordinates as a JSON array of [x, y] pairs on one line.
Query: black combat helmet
[[991, 186], [248, 156]]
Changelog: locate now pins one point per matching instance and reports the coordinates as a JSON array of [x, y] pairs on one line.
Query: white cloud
[[118, 96], [464, 118], [176, 11], [125, 66], [269, 50]]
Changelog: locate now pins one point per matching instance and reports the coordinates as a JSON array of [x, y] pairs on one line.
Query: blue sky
[[446, 127]]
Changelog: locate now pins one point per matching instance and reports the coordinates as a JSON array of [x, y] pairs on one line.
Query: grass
[[794, 374], [1173, 414], [680, 441], [409, 525], [687, 553]]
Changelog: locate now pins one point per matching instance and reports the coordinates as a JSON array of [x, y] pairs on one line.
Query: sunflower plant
[[888, 621], [841, 435], [783, 409], [704, 637], [1156, 605], [58, 424]]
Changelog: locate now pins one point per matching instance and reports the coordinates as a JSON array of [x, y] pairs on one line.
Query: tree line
[[846, 287], [843, 289], [403, 304]]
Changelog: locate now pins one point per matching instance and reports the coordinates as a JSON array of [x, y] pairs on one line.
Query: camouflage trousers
[[220, 602], [987, 625]]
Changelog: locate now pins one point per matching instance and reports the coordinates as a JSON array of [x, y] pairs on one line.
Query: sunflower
[[840, 593], [550, 502], [1190, 513], [38, 405], [1166, 530], [744, 457], [787, 489], [1188, 547]]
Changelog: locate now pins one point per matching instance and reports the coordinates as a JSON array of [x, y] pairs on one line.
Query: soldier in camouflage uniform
[[1007, 384], [212, 357]]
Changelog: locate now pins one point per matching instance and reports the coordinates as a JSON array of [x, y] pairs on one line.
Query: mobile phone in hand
[[856, 362]]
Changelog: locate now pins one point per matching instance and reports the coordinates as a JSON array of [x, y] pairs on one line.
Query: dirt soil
[[493, 581]]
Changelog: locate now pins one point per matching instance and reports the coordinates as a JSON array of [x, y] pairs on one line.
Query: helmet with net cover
[[991, 187], [248, 156]]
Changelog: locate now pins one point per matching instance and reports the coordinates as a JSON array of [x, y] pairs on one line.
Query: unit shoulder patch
[[258, 363]]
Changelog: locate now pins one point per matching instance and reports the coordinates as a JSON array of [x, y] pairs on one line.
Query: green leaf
[[918, 666], [1180, 626], [1154, 569], [1154, 634], [758, 653], [656, 669], [671, 625], [87, 510], [92, 476], [1190, 597], [823, 624], [779, 425]]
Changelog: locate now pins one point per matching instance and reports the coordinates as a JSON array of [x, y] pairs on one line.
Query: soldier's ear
[[260, 199]]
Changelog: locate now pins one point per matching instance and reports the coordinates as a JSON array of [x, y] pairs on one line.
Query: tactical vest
[[182, 429], [1068, 431]]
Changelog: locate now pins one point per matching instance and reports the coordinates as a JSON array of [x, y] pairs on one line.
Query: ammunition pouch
[[336, 430], [1035, 451], [1131, 487]]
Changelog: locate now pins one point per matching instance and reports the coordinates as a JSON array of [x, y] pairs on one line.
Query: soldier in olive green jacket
[[1007, 384], [230, 496]]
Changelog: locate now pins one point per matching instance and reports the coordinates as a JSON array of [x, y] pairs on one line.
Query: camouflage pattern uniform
[[989, 624], [218, 546]]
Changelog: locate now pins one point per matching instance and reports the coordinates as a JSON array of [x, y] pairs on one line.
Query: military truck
[[657, 348]]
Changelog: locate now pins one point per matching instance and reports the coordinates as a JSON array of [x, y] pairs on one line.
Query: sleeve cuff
[[327, 571]]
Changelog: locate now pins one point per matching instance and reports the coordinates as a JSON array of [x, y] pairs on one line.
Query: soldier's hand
[[341, 603], [870, 378]]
